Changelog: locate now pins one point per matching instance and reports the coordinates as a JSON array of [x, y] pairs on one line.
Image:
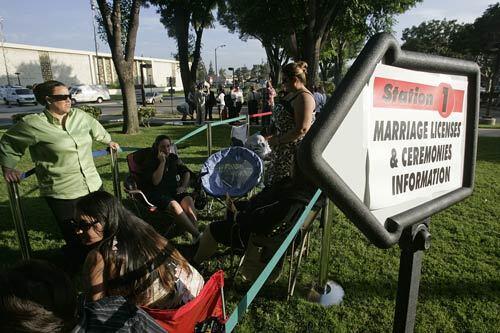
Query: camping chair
[[232, 171], [239, 135], [134, 183], [260, 249], [208, 307]]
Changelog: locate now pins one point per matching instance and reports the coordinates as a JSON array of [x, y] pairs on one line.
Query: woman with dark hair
[[130, 258], [60, 144], [292, 118], [169, 179]]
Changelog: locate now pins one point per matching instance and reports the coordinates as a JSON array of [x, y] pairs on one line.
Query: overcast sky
[[68, 24]]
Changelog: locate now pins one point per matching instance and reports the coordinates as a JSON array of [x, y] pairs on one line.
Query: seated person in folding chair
[[269, 213], [130, 258], [164, 171]]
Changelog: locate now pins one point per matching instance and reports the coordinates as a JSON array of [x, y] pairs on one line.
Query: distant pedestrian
[[269, 94], [238, 100], [253, 98], [221, 103], [229, 103], [209, 104], [199, 98]]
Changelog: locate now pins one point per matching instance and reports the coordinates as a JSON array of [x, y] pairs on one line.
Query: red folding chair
[[208, 305]]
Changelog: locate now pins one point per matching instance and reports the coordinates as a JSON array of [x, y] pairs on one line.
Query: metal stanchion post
[[325, 245], [18, 218], [248, 126], [327, 293], [209, 139], [115, 172]]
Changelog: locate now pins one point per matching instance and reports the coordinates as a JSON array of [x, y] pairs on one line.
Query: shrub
[[18, 116], [94, 111], [145, 114]]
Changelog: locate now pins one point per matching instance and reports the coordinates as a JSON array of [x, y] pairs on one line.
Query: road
[[111, 110]]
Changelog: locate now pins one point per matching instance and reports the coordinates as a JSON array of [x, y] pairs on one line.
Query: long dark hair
[[129, 248], [156, 143]]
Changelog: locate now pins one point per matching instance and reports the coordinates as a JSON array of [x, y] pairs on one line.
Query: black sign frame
[[385, 48]]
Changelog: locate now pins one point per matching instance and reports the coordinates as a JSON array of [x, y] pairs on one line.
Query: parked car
[[89, 93], [151, 97], [20, 96], [3, 91]]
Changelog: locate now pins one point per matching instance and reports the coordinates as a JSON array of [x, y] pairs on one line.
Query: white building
[[34, 64]]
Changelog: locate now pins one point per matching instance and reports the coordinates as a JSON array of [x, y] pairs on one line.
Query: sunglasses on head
[[82, 225], [58, 98]]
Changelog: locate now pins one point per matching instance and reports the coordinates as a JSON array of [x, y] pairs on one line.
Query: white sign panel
[[416, 135]]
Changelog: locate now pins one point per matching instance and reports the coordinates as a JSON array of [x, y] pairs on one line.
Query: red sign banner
[[395, 94]]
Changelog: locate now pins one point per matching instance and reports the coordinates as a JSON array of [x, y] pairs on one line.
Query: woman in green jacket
[[59, 140]]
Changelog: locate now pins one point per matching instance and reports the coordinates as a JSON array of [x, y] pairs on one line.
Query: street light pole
[[216, 69], [98, 75], [3, 50]]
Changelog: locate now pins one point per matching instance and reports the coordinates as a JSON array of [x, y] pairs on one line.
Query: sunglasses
[[58, 98], [82, 225]]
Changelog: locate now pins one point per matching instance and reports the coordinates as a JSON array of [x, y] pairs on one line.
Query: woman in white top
[[130, 258], [221, 103]]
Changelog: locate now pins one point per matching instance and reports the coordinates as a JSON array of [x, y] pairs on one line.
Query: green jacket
[[63, 156]]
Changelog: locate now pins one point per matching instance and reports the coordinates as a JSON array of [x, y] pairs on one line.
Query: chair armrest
[[151, 207]]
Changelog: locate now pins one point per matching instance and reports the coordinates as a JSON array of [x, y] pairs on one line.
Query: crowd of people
[[125, 263]]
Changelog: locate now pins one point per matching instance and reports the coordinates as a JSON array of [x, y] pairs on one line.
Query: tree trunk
[[130, 115], [196, 53], [182, 36], [311, 56]]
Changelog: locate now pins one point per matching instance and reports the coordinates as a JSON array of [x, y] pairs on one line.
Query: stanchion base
[[331, 294]]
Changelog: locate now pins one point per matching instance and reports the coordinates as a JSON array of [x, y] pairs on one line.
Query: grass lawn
[[460, 287]]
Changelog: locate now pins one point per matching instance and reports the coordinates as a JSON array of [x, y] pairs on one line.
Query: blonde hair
[[296, 69]]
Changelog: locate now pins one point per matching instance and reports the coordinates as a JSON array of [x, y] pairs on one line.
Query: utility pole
[[98, 75], [216, 69], [2, 39]]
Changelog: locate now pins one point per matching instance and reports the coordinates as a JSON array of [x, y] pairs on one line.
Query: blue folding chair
[[233, 172]]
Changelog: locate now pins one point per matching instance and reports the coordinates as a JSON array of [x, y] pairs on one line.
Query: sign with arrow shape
[[396, 143]]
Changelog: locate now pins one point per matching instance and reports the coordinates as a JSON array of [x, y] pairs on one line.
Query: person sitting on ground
[[130, 258], [38, 297], [270, 213], [169, 179]]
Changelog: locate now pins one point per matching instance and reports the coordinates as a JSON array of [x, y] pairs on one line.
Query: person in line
[[60, 143], [268, 98], [183, 108], [38, 297], [253, 98], [168, 179], [191, 101], [221, 103], [209, 105], [130, 258], [200, 100], [292, 119], [319, 98], [230, 103], [238, 100], [270, 213]]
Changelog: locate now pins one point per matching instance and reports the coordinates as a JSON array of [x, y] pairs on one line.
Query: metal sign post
[[395, 145]]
